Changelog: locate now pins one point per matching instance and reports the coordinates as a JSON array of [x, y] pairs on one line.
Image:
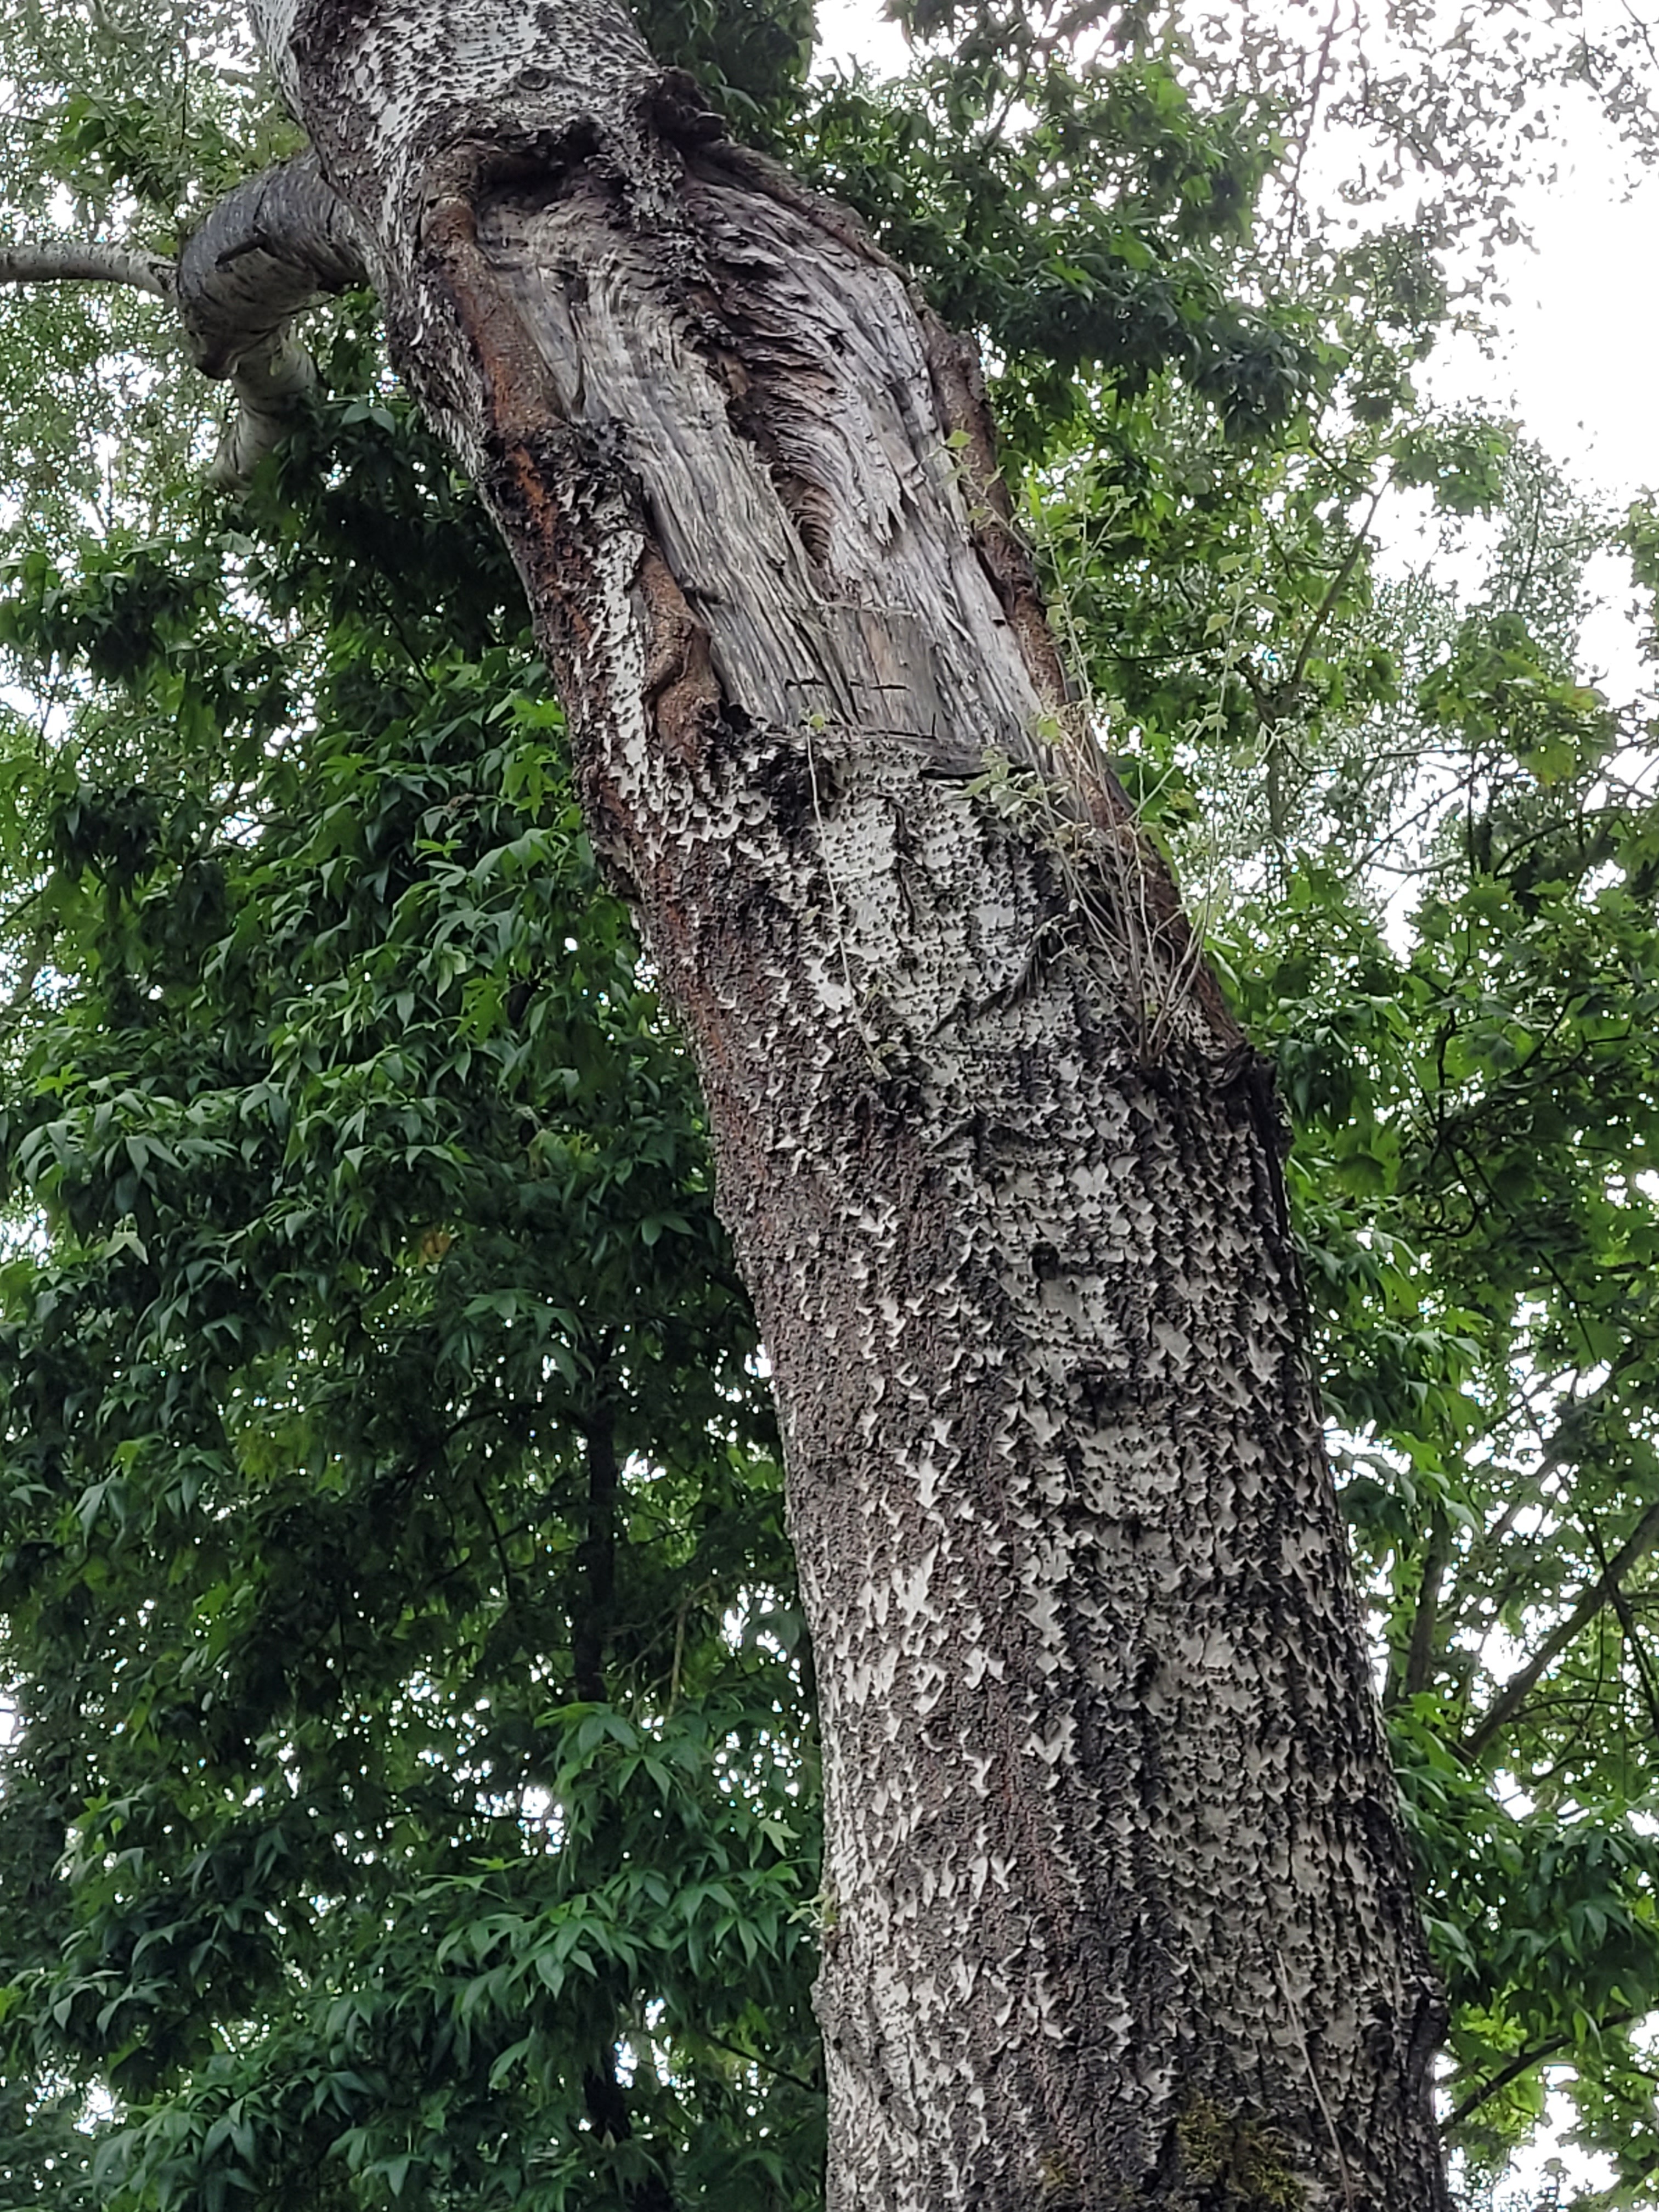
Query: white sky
[[1585, 322], [852, 31], [1574, 357]]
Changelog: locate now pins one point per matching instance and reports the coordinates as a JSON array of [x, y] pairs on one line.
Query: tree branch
[[1516, 1692], [596, 1559], [754, 2058], [1626, 1614], [270, 249], [87, 263], [1419, 1652], [1516, 2067]]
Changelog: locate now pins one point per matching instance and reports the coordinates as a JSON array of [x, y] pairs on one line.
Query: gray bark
[[1117, 1905], [86, 262], [267, 250]]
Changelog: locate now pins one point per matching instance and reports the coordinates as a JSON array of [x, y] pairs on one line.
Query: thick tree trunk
[[1117, 1904]]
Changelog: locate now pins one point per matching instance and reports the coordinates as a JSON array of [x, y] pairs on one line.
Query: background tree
[[361, 1589]]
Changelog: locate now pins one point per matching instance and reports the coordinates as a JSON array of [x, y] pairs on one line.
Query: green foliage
[[749, 57], [397, 1609], [1099, 237], [126, 120], [1471, 1080], [391, 1528]]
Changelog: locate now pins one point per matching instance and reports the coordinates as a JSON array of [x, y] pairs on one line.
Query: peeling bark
[[1119, 1906]]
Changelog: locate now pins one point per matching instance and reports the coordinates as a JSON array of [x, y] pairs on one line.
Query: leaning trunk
[[1116, 1908]]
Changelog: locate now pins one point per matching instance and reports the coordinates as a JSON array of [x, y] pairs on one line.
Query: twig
[[753, 2059], [1503, 1708], [1516, 2067]]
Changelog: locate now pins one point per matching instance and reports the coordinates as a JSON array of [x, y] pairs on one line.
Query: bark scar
[[514, 377], [964, 413], [682, 692]]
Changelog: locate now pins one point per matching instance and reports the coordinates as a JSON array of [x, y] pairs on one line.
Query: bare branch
[[270, 385], [84, 263], [1517, 1691]]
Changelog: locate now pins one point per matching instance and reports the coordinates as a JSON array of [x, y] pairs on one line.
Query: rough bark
[[1118, 1908], [267, 250]]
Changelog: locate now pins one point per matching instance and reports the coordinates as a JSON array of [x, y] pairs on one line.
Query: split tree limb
[[269, 250]]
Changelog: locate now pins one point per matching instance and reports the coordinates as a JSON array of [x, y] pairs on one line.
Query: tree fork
[[1118, 1903]]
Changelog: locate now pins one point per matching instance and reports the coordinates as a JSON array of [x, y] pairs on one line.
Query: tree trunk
[[1116, 1906]]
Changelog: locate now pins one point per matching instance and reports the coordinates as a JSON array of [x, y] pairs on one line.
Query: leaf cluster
[[391, 1546]]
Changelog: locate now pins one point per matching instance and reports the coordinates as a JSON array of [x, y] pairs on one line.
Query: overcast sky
[[1584, 322]]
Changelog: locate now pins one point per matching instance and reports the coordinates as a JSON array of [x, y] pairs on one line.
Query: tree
[[1117, 1897], [1469, 1182], [338, 1606], [1021, 805]]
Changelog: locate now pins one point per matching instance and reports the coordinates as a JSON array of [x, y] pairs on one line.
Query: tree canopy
[[412, 1795]]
